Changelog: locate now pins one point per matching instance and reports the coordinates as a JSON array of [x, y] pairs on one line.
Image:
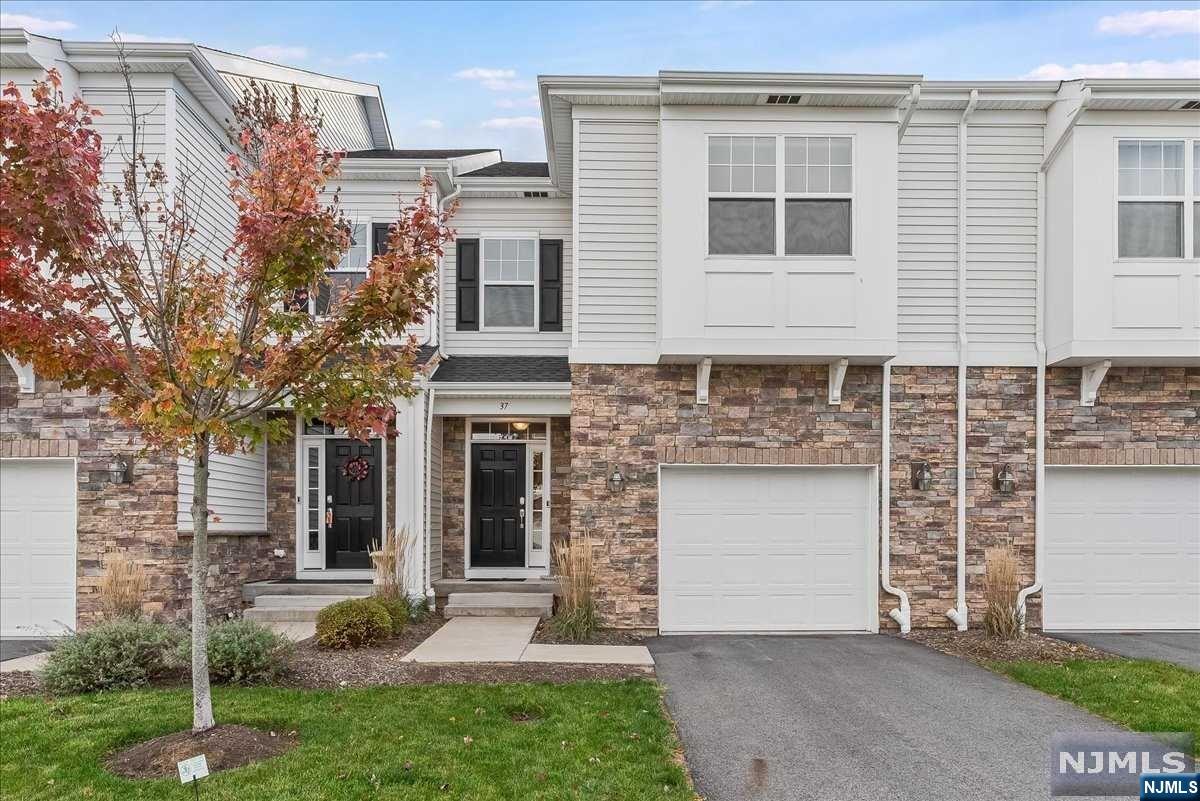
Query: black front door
[[353, 512], [497, 505]]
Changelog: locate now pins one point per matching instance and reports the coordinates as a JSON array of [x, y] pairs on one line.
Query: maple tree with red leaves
[[113, 289]]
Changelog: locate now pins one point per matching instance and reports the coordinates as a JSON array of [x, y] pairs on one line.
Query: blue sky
[[463, 74]]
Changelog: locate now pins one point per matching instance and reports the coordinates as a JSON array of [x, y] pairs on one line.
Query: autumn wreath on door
[[356, 468]]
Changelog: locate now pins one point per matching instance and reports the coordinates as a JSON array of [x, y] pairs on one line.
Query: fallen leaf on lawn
[[633, 735], [408, 766], [604, 713], [540, 776], [479, 710], [594, 760], [468, 739], [444, 787]]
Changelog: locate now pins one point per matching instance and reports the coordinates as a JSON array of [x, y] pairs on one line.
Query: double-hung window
[[1153, 197], [780, 195], [348, 274], [510, 282]]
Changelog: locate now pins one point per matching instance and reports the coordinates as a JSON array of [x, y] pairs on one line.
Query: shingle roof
[[512, 169], [384, 153], [494, 369]]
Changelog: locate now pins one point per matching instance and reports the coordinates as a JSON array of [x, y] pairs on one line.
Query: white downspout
[[443, 204], [1039, 477], [429, 591], [958, 615], [902, 615]]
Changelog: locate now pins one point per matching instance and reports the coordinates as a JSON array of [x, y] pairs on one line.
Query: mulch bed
[[224, 747], [546, 635], [18, 683], [976, 647]]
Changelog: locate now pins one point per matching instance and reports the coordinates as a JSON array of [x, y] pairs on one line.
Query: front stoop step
[[499, 604], [290, 608], [356, 589]]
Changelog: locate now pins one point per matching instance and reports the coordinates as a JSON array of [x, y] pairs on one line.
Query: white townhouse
[[794, 350]]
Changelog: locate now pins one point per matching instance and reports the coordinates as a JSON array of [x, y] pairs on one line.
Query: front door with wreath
[[354, 508]]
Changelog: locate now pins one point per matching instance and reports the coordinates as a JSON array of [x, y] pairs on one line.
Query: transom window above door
[[510, 282]]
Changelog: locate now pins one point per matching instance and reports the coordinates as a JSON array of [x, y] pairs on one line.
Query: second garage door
[[766, 549], [1122, 548]]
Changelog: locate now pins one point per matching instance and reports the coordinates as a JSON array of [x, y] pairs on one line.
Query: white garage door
[[37, 547], [766, 549], [1122, 549]]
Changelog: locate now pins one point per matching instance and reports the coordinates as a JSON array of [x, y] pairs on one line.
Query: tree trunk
[[202, 714]]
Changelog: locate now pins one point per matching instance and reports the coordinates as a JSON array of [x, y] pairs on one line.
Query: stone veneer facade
[[454, 451], [138, 519], [640, 416]]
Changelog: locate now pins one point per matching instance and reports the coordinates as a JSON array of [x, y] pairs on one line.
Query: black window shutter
[[550, 285], [467, 283], [379, 238]]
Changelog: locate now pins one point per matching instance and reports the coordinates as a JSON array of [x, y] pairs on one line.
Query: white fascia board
[[500, 184], [20, 50], [475, 161], [790, 79], [495, 389], [223, 61]]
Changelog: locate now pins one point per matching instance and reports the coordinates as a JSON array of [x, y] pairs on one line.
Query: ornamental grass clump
[[1001, 617], [575, 619], [122, 588]]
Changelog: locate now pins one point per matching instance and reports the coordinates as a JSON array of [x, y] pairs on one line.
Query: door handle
[[328, 518]]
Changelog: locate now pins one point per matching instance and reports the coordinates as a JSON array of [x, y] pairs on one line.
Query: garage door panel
[[778, 553], [37, 547], [1121, 549]]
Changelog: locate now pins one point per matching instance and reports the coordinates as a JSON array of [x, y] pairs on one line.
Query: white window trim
[[484, 283], [338, 268], [1191, 195], [781, 196]]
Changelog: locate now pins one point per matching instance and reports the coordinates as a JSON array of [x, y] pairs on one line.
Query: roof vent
[[1190, 105], [784, 100], [537, 194]]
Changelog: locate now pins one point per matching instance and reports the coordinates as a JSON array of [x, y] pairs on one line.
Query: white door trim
[[871, 622]]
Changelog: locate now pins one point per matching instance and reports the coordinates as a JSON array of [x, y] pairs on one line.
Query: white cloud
[[435, 125], [1183, 68], [361, 58], [278, 53], [508, 123], [531, 101], [497, 80], [35, 24], [1175, 22]]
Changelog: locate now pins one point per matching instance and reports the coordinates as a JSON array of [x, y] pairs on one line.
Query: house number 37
[[503, 405]]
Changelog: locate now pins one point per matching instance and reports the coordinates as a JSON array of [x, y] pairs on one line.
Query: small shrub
[[122, 588], [116, 654], [353, 623], [398, 612], [1001, 618], [576, 617], [243, 652]]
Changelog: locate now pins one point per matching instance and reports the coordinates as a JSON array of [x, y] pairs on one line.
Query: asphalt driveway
[[15, 649], [855, 717], [1180, 647]]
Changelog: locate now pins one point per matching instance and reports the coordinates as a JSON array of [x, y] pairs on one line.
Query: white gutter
[[1039, 476], [959, 613], [902, 615]]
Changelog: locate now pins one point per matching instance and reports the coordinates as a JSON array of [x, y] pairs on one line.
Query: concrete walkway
[[1178, 647], [507, 639]]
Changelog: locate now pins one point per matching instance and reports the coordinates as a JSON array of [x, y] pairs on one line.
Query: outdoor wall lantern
[[121, 470], [922, 476], [616, 481], [1005, 481]]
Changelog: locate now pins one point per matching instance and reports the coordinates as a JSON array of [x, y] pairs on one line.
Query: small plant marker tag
[[192, 769]]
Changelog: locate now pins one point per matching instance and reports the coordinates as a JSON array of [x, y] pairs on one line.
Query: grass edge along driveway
[[1140, 694], [589, 740]]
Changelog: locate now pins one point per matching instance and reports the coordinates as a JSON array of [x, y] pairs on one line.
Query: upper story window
[[780, 195], [1153, 196], [349, 272], [510, 282]]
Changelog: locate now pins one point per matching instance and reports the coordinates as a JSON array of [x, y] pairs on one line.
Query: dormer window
[[780, 195], [1152, 198]]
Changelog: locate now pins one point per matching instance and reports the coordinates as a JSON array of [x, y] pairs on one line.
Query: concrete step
[[356, 589], [445, 587], [290, 608], [499, 604]]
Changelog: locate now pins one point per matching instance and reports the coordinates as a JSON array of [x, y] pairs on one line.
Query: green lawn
[[1139, 694], [591, 740]]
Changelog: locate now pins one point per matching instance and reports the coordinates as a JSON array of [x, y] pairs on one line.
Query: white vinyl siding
[[617, 176], [200, 152], [115, 122], [435, 500], [549, 218], [1002, 166], [927, 242], [346, 126], [237, 492]]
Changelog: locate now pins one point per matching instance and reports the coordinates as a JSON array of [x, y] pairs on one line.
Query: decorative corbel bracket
[[703, 371], [25, 377], [837, 374], [1090, 379]]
